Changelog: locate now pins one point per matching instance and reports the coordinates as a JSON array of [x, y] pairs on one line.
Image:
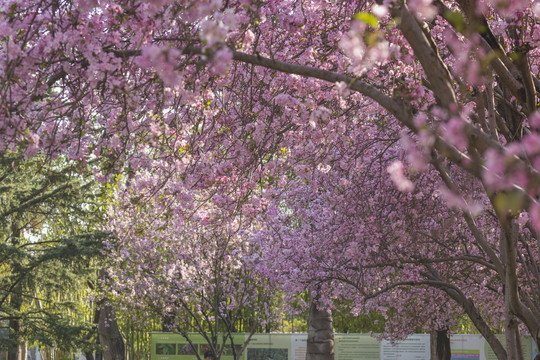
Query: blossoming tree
[[187, 260], [276, 92]]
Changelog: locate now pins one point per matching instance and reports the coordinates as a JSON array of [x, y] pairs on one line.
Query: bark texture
[[320, 342], [109, 335], [440, 345]]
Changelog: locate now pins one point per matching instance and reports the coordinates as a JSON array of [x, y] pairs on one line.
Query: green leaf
[[509, 202], [455, 19], [486, 60], [367, 18], [514, 56]]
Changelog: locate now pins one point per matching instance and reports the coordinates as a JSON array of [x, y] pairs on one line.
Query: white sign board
[[414, 347]]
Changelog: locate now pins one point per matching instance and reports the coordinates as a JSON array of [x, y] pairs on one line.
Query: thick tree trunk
[[513, 340], [440, 345], [109, 335], [320, 342]]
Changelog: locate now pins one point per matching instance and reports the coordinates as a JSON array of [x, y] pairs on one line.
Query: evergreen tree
[[48, 246]]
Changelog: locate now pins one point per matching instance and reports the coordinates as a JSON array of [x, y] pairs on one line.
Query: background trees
[[49, 243], [186, 259]]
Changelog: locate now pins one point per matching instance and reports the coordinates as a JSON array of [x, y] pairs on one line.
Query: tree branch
[[428, 55]]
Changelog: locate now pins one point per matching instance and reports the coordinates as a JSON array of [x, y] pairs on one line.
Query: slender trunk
[[22, 351], [46, 353], [320, 342], [511, 294], [518, 343], [15, 303], [93, 335], [88, 355], [14, 350], [440, 345], [17, 352], [108, 333], [474, 315], [99, 353], [510, 335]]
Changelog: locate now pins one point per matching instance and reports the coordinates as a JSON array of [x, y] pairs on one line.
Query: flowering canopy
[[186, 261], [300, 105]]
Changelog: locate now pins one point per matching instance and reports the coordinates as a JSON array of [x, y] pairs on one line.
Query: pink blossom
[[453, 130], [379, 10], [531, 144], [415, 158], [397, 174], [423, 8], [212, 33], [456, 201], [222, 61], [420, 120], [342, 89], [534, 215], [523, 218], [87, 5], [494, 169], [534, 119]]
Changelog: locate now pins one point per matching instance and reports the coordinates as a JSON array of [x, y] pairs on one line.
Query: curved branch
[[426, 52], [354, 84]]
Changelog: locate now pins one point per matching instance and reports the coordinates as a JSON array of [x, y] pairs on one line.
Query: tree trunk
[[46, 353], [513, 342], [15, 303], [88, 355], [15, 350], [167, 322], [320, 342], [519, 344], [99, 352], [22, 351], [440, 345], [109, 335]]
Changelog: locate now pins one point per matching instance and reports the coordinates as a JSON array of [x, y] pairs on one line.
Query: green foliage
[[348, 323], [456, 19], [367, 18], [295, 324], [48, 250]]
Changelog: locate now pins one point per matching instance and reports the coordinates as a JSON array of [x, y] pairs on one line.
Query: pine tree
[[48, 251]]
